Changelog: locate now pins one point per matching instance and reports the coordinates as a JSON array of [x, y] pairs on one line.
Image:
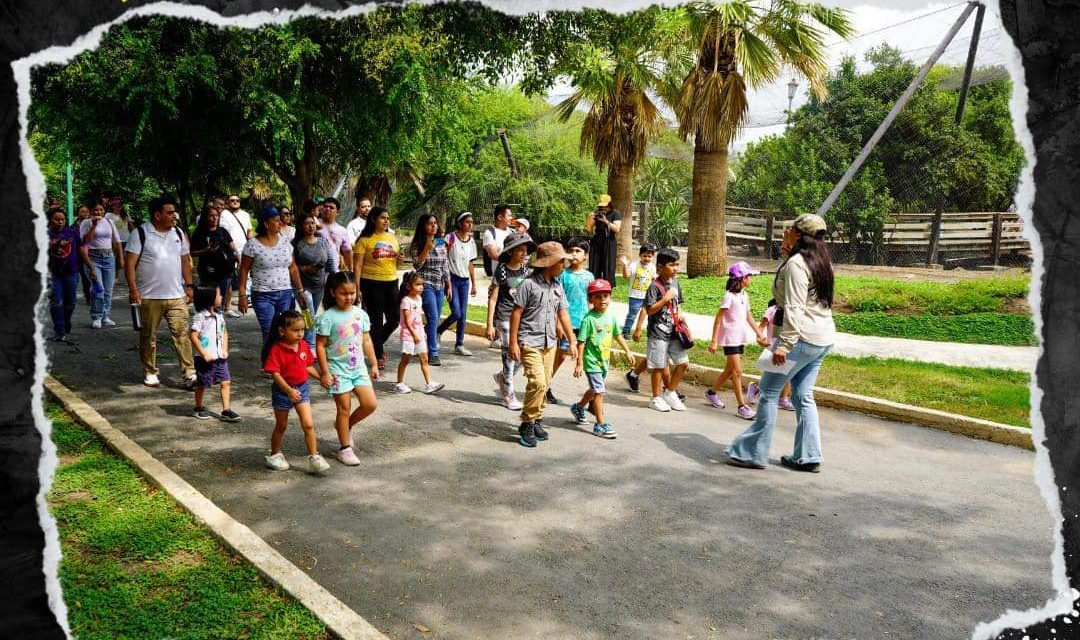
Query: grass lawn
[[982, 311], [990, 394], [135, 565]]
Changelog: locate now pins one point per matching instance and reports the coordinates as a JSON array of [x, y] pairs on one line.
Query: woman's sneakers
[[511, 402], [713, 398], [745, 412], [604, 431], [753, 392], [433, 387], [316, 464], [401, 387], [277, 462], [348, 457], [809, 467], [786, 404], [674, 401], [659, 404], [578, 412]]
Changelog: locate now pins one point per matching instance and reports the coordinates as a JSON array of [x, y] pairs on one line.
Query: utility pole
[[791, 88], [69, 183]]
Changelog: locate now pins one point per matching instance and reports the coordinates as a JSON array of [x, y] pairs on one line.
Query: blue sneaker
[[540, 431], [579, 413], [604, 431], [528, 435]]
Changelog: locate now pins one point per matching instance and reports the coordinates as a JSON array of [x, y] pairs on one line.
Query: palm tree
[[740, 43]]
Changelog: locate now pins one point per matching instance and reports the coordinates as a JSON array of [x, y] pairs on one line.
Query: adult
[[65, 258], [120, 219], [101, 241], [158, 271], [429, 255], [268, 259], [215, 250], [461, 252], [495, 236], [356, 225], [377, 257], [83, 213], [336, 236], [311, 253], [238, 223], [604, 224], [803, 290], [288, 231]]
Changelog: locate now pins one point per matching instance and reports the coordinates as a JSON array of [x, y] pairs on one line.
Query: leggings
[[380, 301]]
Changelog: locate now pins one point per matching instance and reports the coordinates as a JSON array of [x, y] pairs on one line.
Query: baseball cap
[[599, 286], [741, 269]]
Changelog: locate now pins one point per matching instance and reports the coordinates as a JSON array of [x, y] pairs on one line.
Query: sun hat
[[548, 254], [740, 270], [599, 286], [810, 224], [515, 240], [522, 222], [605, 200]]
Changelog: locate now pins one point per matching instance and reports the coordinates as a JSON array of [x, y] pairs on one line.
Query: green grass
[[135, 565], [971, 311], [990, 394]]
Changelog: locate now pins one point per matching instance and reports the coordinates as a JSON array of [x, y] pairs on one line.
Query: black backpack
[[142, 241]]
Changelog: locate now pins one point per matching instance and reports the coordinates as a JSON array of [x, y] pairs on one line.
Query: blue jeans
[[268, 304], [631, 315], [316, 300], [62, 302], [433, 300], [459, 308], [752, 445], [105, 270]]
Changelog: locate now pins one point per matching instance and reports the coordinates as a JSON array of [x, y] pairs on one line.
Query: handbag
[[682, 331]]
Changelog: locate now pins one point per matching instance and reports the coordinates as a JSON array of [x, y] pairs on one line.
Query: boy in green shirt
[[598, 329]]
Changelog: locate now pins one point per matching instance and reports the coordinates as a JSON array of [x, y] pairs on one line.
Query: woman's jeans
[[432, 300], [316, 300], [752, 445], [631, 315], [459, 307], [62, 302], [104, 263], [380, 300], [268, 304]]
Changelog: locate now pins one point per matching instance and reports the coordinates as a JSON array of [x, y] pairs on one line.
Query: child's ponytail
[[734, 285], [280, 321], [335, 280], [406, 284]]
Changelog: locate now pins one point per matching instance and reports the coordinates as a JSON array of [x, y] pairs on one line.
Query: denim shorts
[[347, 382], [281, 401], [596, 381]]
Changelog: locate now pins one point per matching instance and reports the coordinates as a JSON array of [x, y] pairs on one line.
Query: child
[[210, 341], [413, 337], [508, 276], [730, 333], [662, 302], [288, 359], [752, 389], [342, 342], [540, 305], [594, 350], [575, 282], [641, 273]]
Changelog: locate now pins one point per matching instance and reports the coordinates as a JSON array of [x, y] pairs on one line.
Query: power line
[[902, 22]]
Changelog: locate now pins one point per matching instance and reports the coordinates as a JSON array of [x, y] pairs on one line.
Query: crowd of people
[[328, 297]]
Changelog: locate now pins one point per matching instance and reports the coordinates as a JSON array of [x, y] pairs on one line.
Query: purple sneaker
[[753, 391], [745, 412], [713, 398], [785, 404]]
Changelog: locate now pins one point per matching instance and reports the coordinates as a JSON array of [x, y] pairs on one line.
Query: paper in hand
[[765, 363]]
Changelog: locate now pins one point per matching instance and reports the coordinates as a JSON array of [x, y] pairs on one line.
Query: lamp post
[[791, 87]]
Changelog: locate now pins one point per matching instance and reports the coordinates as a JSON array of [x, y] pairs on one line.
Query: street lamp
[[791, 87]]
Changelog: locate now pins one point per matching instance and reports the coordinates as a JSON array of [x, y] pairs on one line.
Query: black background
[[1045, 31]]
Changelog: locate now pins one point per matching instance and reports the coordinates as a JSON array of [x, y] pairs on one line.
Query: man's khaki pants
[[175, 313], [537, 364]]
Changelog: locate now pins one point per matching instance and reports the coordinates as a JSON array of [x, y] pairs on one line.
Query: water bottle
[[307, 312], [136, 317]]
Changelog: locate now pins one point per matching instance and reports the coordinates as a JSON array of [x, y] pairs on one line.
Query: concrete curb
[[944, 421], [342, 621]]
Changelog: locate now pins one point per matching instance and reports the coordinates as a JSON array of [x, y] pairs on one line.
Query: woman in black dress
[[604, 224]]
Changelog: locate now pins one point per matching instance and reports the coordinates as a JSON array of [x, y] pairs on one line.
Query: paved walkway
[[450, 526]]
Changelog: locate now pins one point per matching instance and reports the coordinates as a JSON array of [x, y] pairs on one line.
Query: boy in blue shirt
[[575, 281]]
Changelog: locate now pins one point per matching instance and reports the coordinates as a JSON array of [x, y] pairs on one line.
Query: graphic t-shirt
[[64, 251], [211, 329], [576, 286], [733, 329], [597, 333], [380, 253], [344, 331], [291, 363], [415, 308], [641, 276], [508, 280], [661, 324]]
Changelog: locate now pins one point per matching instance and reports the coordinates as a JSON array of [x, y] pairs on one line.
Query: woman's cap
[[267, 212], [740, 270], [599, 286], [522, 222], [515, 240], [605, 200], [548, 254], [810, 224], [462, 216]]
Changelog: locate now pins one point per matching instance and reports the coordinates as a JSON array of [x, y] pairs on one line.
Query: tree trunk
[[620, 184], [374, 188], [707, 254]]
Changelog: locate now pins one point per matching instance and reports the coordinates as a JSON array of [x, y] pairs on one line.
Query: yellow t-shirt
[[380, 253]]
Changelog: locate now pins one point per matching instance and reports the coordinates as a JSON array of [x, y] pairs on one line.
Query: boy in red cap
[[598, 329]]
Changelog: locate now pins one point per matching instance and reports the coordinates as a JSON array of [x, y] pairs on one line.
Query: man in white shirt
[[238, 223], [495, 235], [357, 224], [158, 270]]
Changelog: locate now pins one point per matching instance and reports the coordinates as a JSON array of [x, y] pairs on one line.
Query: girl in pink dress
[[733, 328], [413, 336]]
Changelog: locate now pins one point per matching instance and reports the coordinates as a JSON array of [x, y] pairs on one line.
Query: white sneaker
[[151, 380], [348, 457], [462, 351], [401, 387], [511, 402], [659, 404], [233, 313], [277, 462], [95, 323], [316, 464], [499, 380], [433, 387], [107, 322], [672, 400]]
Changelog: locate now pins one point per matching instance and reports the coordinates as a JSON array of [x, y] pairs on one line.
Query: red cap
[[599, 286]]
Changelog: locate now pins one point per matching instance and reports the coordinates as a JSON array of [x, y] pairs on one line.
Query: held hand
[[294, 395], [326, 380], [763, 341], [779, 358], [515, 352]]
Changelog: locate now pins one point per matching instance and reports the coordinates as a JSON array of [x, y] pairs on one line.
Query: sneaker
[[107, 322], [745, 412], [550, 397], [460, 350], [527, 433], [56, 337], [713, 398], [541, 432], [578, 413], [401, 387], [809, 467], [511, 402], [604, 431], [633, 381], [201, 413], [501, 381], [659, 404], [151, 380], [348, 457], [753, 392], [233, 313], [277, 462], [95, 323], [229, 415], [786, 404], [673, 400], [316, 464], [433, 387], [434, 361], [744, 464]]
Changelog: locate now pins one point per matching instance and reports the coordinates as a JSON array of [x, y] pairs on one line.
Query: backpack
[[142, 241]]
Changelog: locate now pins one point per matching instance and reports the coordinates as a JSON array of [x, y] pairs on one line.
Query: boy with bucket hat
[[539, 304]]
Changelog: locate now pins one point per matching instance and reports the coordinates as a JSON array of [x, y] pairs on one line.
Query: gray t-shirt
[[508, 280], [661, 324], [541, 302], [317, 255]]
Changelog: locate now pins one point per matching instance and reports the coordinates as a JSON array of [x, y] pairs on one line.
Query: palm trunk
[[707, 254], [620, 185]]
